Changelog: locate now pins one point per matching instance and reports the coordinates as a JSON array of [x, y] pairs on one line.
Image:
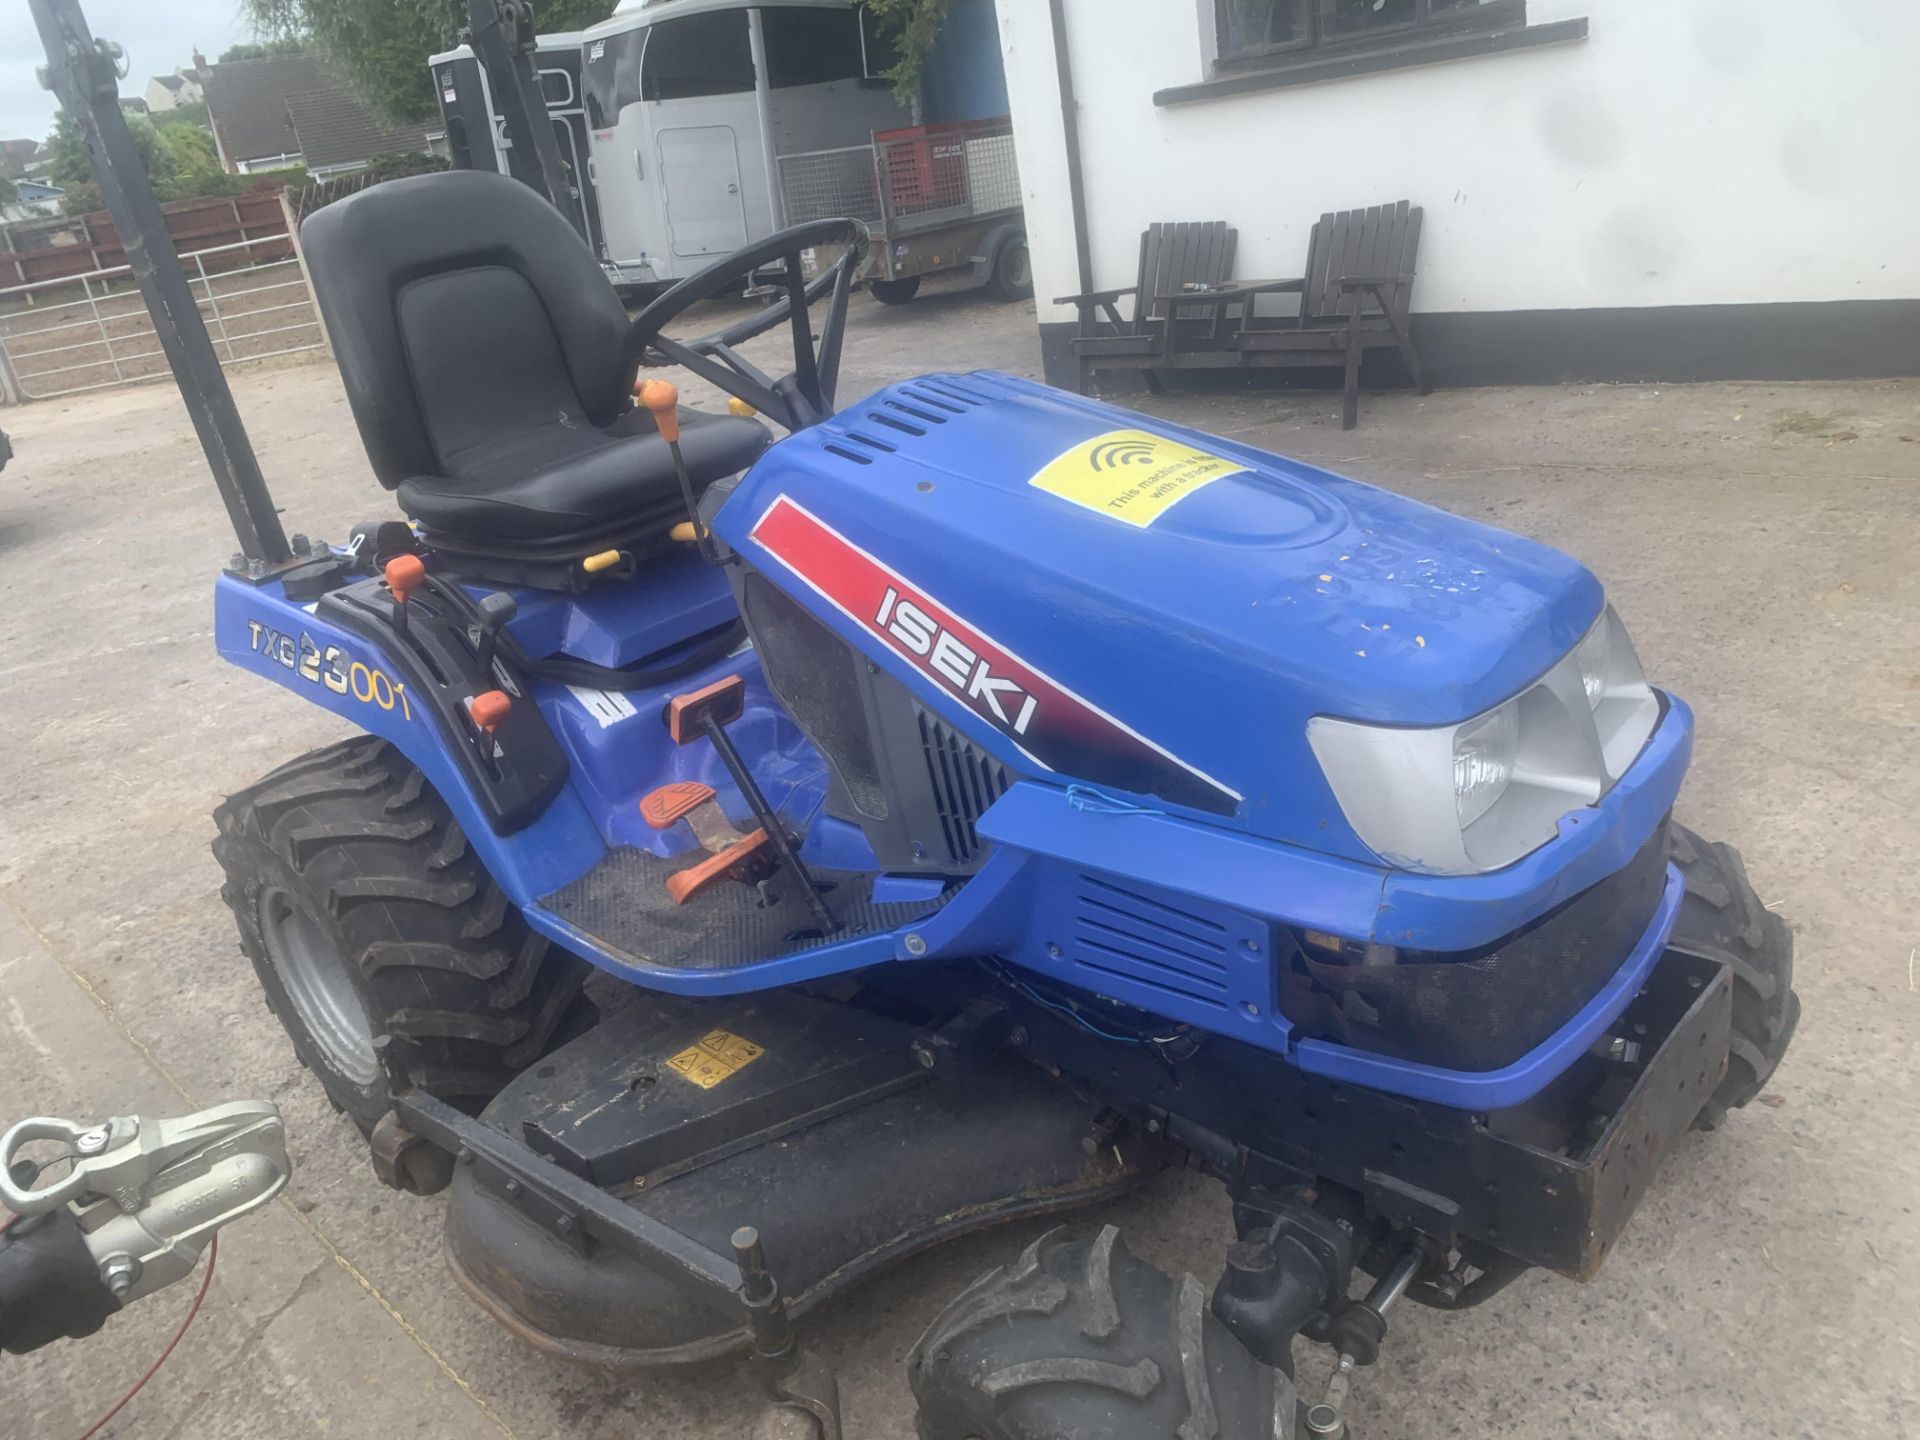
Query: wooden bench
[[1356, 296], [1160, 333]]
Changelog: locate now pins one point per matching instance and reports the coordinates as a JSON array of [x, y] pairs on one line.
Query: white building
[[1614, 189], [169, 92], [32, 200]]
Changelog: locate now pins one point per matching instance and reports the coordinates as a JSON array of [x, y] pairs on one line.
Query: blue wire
[[1074, 1015]]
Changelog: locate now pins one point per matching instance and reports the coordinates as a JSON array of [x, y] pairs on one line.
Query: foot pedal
[[707, 712], [735, 862], [730, 854]]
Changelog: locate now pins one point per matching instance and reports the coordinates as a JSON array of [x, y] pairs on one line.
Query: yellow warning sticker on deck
[[1132, 475], [713, 1057]]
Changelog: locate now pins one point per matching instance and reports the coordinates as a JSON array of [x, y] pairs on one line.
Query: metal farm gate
[[91, 331]]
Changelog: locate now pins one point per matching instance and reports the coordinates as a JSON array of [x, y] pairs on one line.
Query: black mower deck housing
[[595, 1197]]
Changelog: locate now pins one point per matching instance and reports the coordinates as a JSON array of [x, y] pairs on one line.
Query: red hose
[[206, 1280]]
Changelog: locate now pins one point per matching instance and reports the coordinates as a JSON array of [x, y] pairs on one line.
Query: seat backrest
[[1173, 256], [463, 309], [1380, 240]]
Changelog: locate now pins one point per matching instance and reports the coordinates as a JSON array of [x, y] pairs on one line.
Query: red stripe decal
[[1048, 722]]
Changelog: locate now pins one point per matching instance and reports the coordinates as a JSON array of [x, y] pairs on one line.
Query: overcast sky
[[158, 35]]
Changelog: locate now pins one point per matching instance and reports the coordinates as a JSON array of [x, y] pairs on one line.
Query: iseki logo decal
[[955, 662], [1051, 725]]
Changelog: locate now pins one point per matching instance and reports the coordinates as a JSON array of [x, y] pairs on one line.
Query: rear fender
[[259, 629]]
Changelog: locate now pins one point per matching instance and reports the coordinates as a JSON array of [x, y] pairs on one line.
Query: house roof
[[15, 156], [335, 129], [247, 102], [294, 105], [171, 82]]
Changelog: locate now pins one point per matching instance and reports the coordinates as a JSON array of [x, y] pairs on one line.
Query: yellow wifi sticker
[[1132, 475], [713, 1057]]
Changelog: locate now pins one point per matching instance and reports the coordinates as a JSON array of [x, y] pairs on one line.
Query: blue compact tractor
[[780, 838]]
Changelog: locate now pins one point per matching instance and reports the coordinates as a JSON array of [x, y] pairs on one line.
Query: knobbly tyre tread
[[1722, 919], [359, 840], [1077, 1337]]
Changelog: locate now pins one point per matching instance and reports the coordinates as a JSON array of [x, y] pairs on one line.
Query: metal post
[[763, 109], [300, 256], [213, 303], [10, 392], [84, 74], [99, 324], [503, 42]]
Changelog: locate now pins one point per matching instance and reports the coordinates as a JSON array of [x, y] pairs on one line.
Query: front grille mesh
[[964, 780]]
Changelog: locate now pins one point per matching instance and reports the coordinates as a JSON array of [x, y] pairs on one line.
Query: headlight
[[1459, 799], [1594, 654], [1483, 755]]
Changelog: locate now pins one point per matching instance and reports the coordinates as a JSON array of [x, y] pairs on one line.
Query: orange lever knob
[[489, 708], [405, 574], [663, 400]]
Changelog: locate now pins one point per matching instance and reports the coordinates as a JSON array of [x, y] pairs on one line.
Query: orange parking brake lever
[[664, 401]]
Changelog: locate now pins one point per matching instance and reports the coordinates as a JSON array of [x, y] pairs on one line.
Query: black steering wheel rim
[[804, 396]]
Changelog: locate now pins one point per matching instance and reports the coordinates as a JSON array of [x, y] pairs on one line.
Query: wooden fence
[[35, 250]]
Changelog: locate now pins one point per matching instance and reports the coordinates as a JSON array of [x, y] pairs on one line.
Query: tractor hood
[[1099, 597]]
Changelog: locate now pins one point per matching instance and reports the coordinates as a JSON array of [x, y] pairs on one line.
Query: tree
[[69, 163], [381, 46], [193, 112], [9, 192], [912, 27], [264, 49], [193, 165]]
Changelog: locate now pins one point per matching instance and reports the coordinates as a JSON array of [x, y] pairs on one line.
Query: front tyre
[[1722, 919], [365, 913], [895, 292], [1077, 1337]]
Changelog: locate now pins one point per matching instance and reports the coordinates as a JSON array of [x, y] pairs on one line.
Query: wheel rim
[[314, 974], [1019, 266]]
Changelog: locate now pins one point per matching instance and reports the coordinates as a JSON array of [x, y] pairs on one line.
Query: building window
[[1255, 32]]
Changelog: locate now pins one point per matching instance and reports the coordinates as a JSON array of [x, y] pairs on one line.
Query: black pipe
[[770, 822], [502, 36], [1070, 128], [81, 74]]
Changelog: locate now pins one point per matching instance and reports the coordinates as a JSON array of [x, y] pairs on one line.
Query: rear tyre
[[365, 913], [895, 292], [1722, 919], [1012, 277], [1077, 1337]]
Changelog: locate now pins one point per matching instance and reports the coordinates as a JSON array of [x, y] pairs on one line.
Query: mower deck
[[624, 905], [594, 1213]]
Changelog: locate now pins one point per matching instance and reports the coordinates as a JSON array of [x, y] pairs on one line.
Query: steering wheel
[[803, 396]]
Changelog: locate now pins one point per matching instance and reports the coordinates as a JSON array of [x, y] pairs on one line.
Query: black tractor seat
[[567, 479], [483, 352]]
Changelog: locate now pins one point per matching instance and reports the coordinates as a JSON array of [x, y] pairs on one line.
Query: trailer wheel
[[365, 913], [1012, 277], [1722, 919], [895, 292], [1077, 1337]]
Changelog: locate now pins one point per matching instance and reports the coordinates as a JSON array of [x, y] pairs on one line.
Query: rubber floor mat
[[623, 903]]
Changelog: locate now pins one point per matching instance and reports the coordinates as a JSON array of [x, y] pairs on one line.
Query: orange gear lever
[[489, 708], [664, 401], [405, 574]]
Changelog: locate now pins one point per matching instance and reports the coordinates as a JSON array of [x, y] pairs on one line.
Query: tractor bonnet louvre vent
[[964, 781], [1120, 933]]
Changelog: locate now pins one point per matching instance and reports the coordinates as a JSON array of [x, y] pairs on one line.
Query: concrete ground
[[1757, 538]]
